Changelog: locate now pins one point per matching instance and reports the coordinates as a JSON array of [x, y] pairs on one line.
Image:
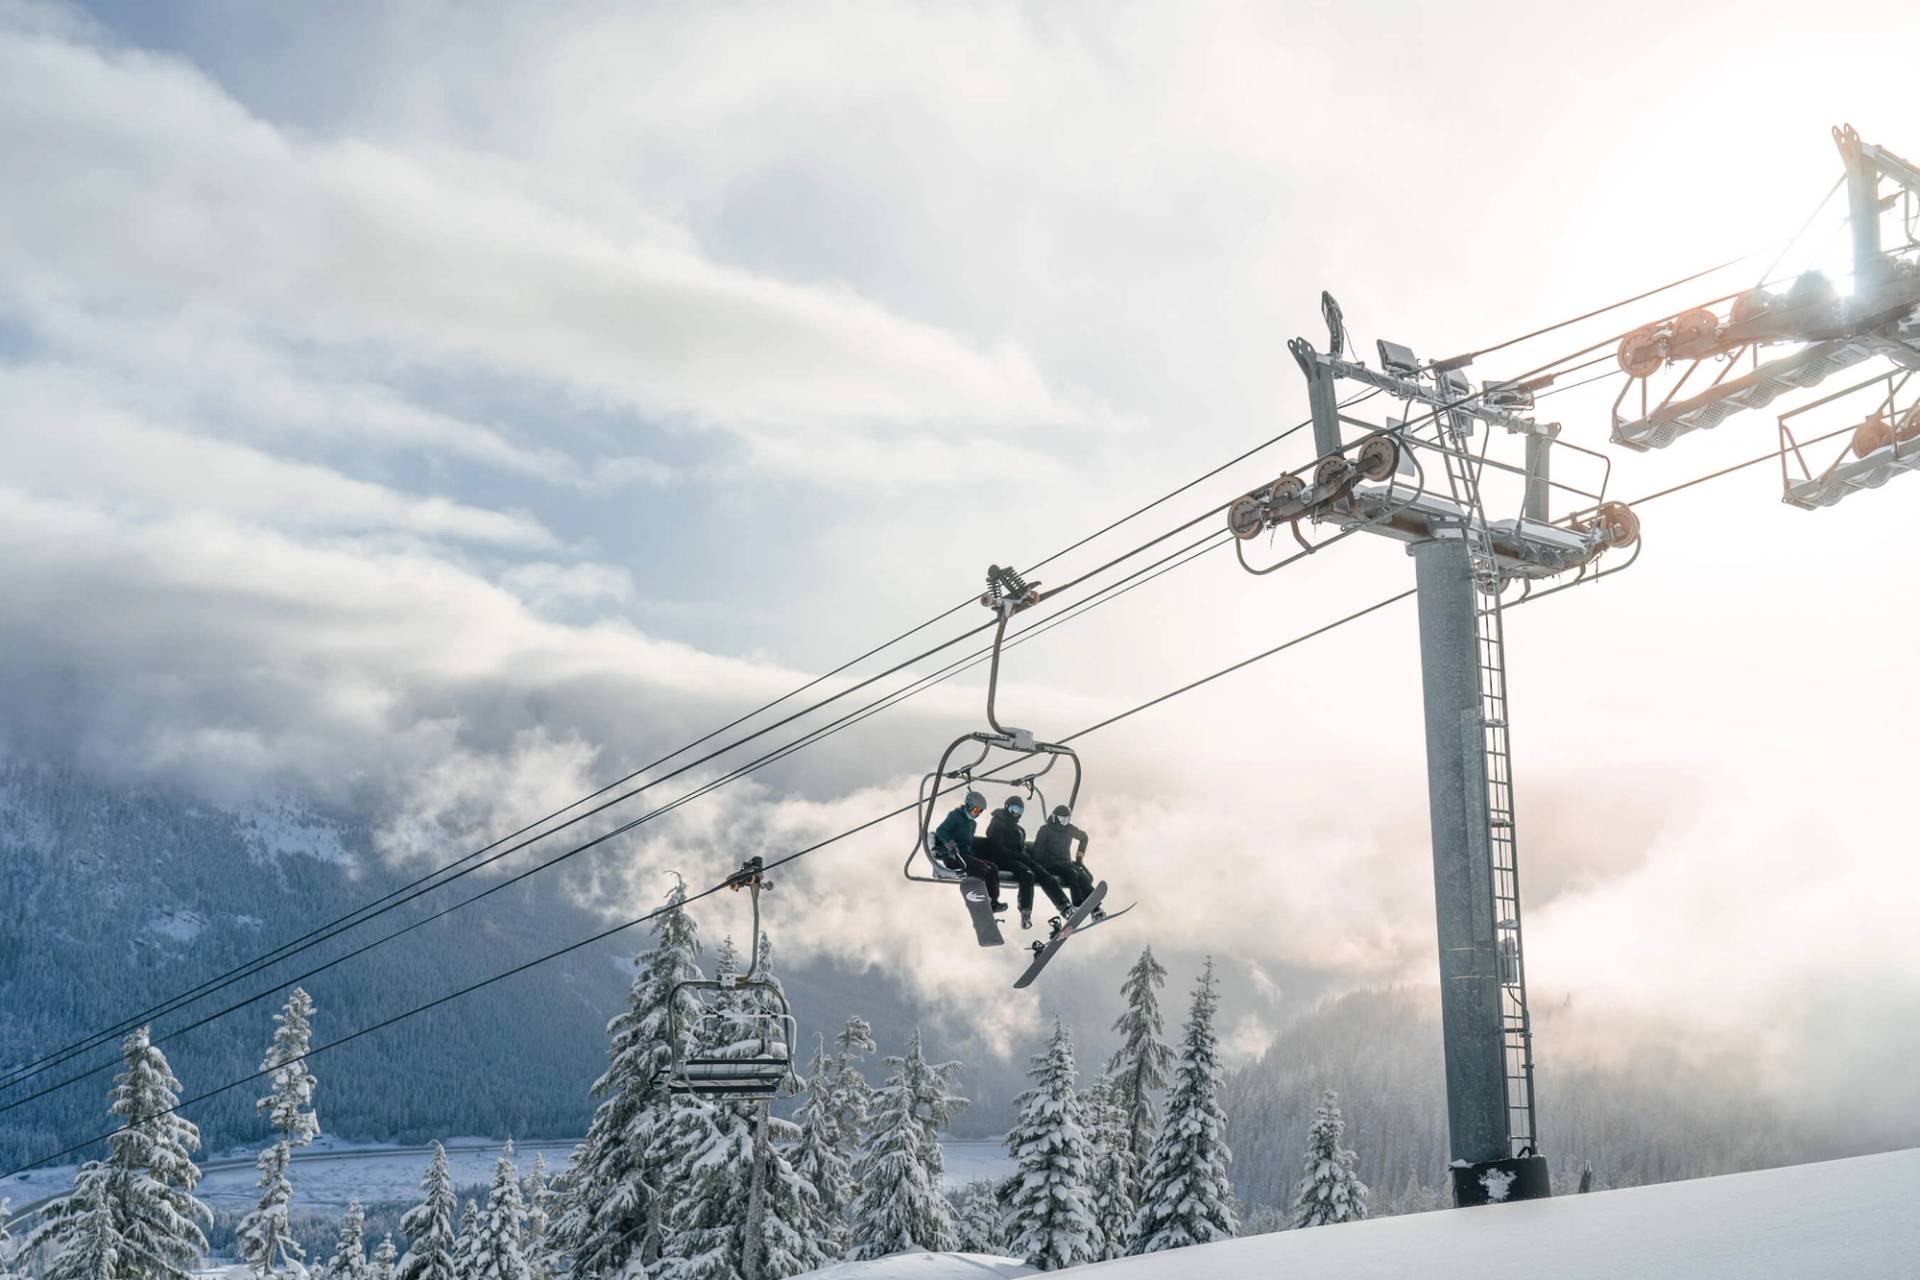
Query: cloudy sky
[[438, 410]]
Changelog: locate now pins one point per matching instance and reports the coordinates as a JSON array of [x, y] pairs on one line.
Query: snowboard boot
[[1054, 925], [1098, 915], [1026, 919], [998, 906]]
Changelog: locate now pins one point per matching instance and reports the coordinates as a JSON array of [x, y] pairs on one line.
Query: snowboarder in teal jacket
[[953, 845]]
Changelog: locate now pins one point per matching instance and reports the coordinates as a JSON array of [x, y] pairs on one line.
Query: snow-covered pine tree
[[465, 1240], [89, 1248], [349, 1259], [1185, 1196], [1049, 1213], [1115, 1177], [385, 1263], [613, 1209], [976, 1218], [1329, 1191], [1141, 1064], [537, 1235], [899, 1204], [264, 1238], [855, 1095], [133, 1216], [429, 1226], [497, 1251], [820, 1155]]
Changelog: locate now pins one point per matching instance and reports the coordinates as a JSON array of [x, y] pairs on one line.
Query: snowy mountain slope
[[926, 1266], [1844, 1218]]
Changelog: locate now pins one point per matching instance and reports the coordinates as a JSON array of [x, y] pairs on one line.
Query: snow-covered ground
[[1841, 1220], [327, 1174], [330, 1173], [926, 1266]]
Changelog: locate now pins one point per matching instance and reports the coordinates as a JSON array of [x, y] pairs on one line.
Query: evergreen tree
[[264, 1237], [1185, 1195], [1329, 1191], [1049, 1213], [854, 1094], [1141, 1064], [537, 1237], [133, 1216], [1115, 1178], [429, 1226], [498, 1251], [615, 1210], [349, 1260], [386, 1261], [977, 1225], [819, 1155], [91, 1248], [466, 1240], [898, 1204]]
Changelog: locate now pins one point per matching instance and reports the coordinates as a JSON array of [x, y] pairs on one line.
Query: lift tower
[[1427, 492]]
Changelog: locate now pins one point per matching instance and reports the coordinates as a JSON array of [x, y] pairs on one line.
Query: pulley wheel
[[1640, 352], [1695, 333], [1246, 517], [1288, 492], [1750, 305], [1617, 523], [1377, 457], [1332, 474], [1875, 433]]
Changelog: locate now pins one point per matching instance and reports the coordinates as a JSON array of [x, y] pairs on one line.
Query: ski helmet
[[1016, 806], [1062, 812], [974, 800]]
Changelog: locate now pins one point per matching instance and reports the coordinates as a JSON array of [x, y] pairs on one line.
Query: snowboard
[[1076, 923], [986, 928]]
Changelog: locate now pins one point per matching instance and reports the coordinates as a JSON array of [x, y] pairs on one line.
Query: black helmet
[[1016, 806], [1062, 812], [974, 800]]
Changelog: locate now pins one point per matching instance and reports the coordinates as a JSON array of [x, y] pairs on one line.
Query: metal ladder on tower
[[1497, 776]]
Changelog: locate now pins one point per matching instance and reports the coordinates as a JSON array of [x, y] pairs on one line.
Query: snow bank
[[925, 1266], [1844, 1218], [1853, 1218]]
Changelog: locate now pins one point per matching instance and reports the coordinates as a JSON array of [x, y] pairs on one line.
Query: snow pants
[[981, 869], [1025, 872], [1074, 875]]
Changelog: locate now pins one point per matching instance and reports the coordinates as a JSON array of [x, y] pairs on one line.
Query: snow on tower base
[[1842, 1218]]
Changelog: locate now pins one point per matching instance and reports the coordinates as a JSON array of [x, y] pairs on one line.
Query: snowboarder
[[953, 842], [1054, 852], [1005, 845]]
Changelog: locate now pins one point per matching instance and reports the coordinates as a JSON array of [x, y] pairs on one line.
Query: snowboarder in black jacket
[[953, 845], [1005, 845], [1053, 850]]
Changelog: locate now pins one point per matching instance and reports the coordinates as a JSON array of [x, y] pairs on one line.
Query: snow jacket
[[1054, 842], [1006, 837], [956, 830]]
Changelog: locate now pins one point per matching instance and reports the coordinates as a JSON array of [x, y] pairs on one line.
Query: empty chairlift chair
[[743, 1052]]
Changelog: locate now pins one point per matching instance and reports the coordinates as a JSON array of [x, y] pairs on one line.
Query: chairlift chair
[[1007, 593], [757, 1061]]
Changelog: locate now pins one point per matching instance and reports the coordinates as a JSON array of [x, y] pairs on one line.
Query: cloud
[[150, 184], [60, 442]]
